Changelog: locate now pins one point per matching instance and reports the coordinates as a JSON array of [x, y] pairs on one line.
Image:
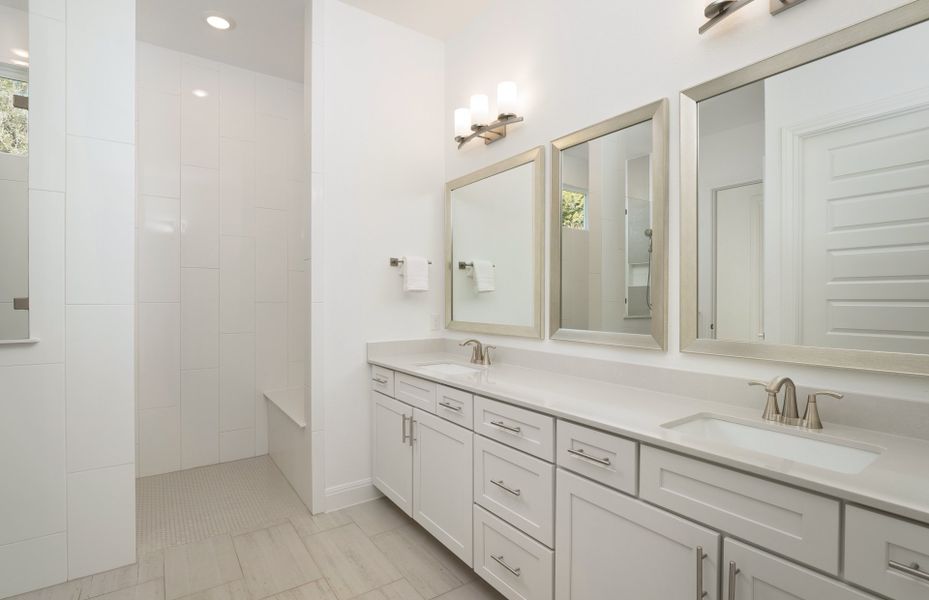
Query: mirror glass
[[813, 203], [494, 220], [606, 232], [14, 169]]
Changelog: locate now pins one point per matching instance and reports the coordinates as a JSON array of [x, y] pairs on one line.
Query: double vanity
[[555, 486]]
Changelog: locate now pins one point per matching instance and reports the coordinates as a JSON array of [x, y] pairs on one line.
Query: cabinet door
[[442, 462], [608, 545], [392, 457], [757, 575]]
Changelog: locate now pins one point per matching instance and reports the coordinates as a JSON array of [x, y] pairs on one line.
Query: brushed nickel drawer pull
[[506, 488], [379, 379], [701, 555], [503, 425], [910, 569], [733, 571], [450, 406], [580, 452], [406, 436], [515, 571]]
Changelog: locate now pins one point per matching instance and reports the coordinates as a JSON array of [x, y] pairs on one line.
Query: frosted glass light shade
[[507, 98], [480, 109], [462, 122]]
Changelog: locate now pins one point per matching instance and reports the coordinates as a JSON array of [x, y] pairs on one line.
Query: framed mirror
[[14, 172], [494, 220], [805, 203], [609, 231]]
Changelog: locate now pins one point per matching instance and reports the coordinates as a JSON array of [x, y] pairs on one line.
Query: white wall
[[66, 402], [633, 54], [221, 229], [377, 179]]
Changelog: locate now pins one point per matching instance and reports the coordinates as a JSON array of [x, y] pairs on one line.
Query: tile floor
[[238, 531]]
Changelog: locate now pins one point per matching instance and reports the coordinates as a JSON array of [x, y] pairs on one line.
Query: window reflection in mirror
[[14, 168], [606, 243], [813, 203]]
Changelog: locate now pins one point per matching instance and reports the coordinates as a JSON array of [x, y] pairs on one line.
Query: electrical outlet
[[434, 322]]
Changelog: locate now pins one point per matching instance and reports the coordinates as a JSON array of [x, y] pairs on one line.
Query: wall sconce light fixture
[[474, 122], [717, 10]]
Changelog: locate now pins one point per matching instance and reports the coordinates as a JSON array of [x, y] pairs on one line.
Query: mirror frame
[[657, 113], [535, 157], [870, 360]]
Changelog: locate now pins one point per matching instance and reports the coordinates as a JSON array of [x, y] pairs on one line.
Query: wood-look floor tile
[[378, 516], [429, 567], [315, 590], [199, 566], [149, 567], [274, 560], [235, 590], [69, 590], [308, 524], [350, 561], [476, 590], [398, 590], [150, 590]]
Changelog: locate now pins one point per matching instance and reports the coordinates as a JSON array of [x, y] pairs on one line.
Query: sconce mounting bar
[[491, 132]]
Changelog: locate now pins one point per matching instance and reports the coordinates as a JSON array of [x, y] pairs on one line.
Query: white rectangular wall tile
[[199, 318], [101, 69], [271, 96], [100, 220], [33, 564], [236, 445], [54, 9], [199, 418], [199, 113], [298, 313], [272, 188], [270, 255], [297, 214], [159, 239], [101, 520], [237, 284], [159, 143], [159, 440], [159, 69], [199, 217], [100, 386], [270, 362], [237, 381], [237, 187], [159, 347], [237, 103], [47, 103], [32, 453]]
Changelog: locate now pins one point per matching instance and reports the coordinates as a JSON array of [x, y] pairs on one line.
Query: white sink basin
[[809, 448], [449, 369]]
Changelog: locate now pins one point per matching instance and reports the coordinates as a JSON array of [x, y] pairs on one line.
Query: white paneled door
[[392, 457]]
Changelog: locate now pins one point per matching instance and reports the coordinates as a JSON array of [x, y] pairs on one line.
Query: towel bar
[[462, 265], [396, 262]]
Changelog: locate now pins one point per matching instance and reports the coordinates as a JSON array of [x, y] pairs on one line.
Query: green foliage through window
[[14, 138], [573, 209]]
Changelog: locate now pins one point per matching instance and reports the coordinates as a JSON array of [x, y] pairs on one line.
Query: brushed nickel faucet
[[480, 354], [791, 415]]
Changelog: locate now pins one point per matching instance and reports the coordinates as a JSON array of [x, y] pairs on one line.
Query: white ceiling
[[268, 36], [436, 18]]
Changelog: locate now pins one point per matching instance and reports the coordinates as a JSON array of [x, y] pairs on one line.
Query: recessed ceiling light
[[218, 22], [200, 93], [18, 63], [20, 52]]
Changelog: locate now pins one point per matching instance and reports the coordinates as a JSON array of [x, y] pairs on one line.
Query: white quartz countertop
[[897, 481]]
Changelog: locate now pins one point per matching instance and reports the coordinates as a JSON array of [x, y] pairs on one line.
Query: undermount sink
[[780, 441], [449, 369]]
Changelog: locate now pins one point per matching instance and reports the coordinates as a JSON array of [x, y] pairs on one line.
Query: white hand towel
[[415, 274], [483, 273]]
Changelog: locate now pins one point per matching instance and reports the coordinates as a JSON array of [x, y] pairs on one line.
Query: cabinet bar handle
[[379, 379], [701, 555], [503, 425], [733, 571], [910, 569], [580, 452], [450, 406], [403, 425], [506, 488], [503, 564]]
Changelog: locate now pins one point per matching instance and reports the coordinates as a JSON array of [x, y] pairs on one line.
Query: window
[[14, 138], [573, 209]]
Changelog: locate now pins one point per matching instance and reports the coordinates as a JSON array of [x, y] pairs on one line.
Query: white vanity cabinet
[[609, 545], [392, 453]]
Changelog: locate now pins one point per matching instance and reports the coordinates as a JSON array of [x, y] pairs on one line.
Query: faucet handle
[[763, 384], [486, 359], [811, 418], [771, 410]]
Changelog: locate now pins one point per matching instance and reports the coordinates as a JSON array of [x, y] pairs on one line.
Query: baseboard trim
[[351, 493]]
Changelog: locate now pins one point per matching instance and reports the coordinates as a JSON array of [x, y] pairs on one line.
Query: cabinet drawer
[[517, 427], [757, 575], [415, 392], [455, 406], [382, 380], [606, 458], [786, 520], [887, 555], [517, 488], [517, 566]]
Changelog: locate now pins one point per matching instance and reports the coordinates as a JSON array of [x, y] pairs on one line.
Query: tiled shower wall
[[221, 289]]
